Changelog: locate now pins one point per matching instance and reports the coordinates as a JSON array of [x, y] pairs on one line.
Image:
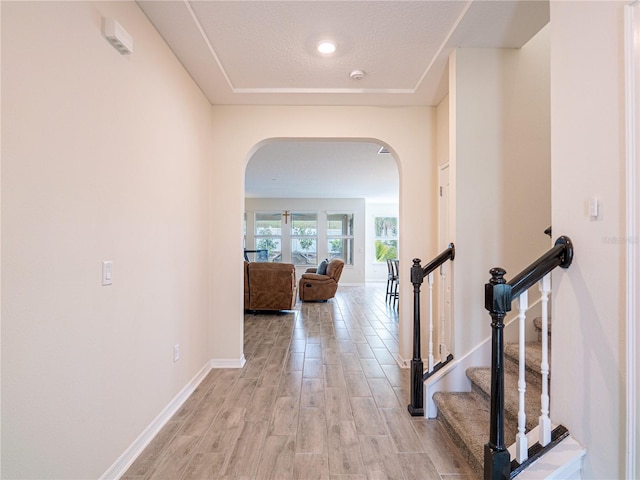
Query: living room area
[[309, 201]]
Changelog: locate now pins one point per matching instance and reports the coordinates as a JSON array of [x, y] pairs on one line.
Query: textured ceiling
[[317, 169], [263, 53]]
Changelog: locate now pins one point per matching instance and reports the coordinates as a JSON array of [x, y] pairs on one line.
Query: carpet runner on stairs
[[465, 415]]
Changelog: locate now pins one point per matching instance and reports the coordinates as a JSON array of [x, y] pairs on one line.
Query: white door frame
[[632, 113]]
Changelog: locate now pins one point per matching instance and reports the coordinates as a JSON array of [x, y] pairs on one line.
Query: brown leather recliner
[[269, 286], [314, 286]]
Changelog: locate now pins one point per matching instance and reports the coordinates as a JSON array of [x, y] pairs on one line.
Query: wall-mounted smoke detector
[[117, 36], [356, 75]]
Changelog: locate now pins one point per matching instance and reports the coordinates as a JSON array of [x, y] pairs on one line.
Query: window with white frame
[[268, 234], [304, 238], [386, 238], [340, 236]]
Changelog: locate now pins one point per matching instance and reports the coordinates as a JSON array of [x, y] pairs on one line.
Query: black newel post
[[416, 407], [497, 300]]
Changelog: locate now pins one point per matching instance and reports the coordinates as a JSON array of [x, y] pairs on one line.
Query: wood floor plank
[[383, 393], [290, 384], [367, 417], [261, 404], [397, 376], [175, 459], [384, 357], [277, 459], [242, 391], [357, 384], [364, 350], [312, 393], [205, 466], [312, 431], [371, 368], [338, 407], [344, 449], [334, 376], [331, 355], [401, 430], [314, 350], [379, 457], [443, 453], [284, 420], [223, 432], [199, 421], [295, 362], [244, 458], [155, 449], [313, 368], [417, 466], [309, 466]]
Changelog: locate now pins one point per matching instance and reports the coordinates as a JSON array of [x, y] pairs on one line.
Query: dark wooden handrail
[[448, 254], [416, 407], [560, 255], [498, 296]]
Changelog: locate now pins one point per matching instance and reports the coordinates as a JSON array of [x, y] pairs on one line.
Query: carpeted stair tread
[[481, 379], [465, 416], [532, 356]]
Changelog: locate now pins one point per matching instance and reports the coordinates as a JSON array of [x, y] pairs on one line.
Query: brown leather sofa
[[314, 286], [269, 286]]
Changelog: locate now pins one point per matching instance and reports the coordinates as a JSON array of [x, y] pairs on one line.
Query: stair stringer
[[563, 462], [453, 377]]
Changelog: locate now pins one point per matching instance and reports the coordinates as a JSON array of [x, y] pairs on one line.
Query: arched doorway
[[306, 200]]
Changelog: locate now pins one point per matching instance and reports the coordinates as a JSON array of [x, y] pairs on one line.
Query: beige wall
[[104, 157], [410, 134], [500, 172], [587, 115]]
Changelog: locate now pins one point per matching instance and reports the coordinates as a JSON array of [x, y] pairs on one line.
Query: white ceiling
[[316, 169], [263, 53]]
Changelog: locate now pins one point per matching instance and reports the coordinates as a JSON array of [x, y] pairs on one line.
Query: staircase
[[465, 415]]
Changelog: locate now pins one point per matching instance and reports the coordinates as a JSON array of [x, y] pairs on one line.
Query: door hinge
[[440, 191]]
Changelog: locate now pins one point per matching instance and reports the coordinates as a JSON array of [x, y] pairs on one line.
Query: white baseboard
[[402, 362], [121, 465], [228, 362]]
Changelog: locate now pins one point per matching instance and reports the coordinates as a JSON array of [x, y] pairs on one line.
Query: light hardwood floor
[[320, 397]]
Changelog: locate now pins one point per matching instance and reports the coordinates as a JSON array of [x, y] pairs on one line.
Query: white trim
[[121, 465], [564, 461], [632, 88], [402, 362], [227, 362]]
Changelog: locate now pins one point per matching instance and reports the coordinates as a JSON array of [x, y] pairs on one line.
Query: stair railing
[[498, 297], [418, 273]]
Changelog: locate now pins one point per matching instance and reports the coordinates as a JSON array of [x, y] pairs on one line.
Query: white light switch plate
[[107, 272]]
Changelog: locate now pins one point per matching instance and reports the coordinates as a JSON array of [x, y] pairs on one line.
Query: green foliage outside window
[[386, 250]]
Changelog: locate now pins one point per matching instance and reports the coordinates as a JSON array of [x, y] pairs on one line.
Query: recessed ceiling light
[[326, 47]]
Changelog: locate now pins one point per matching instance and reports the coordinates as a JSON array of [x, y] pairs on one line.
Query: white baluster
[[522, 447], [444, 331], [545, 421], [430, 280]]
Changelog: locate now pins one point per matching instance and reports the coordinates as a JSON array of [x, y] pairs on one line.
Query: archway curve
[[323, 175], [408, 132], [252, 151]]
